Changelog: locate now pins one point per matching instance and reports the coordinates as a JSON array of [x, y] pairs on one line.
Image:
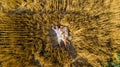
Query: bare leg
[[65, 42], [68, 42]]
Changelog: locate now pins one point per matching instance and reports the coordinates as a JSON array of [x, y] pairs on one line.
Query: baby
[[62, 35]]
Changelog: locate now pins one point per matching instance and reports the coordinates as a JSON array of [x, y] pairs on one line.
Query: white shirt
[[57, 31]]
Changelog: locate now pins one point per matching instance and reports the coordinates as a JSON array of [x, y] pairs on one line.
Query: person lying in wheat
[[62, 35]]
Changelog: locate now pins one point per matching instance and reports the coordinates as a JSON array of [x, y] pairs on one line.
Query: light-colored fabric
[[57, 31], [62, 34]]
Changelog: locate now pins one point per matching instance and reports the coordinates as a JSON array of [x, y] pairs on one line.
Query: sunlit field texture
[[27, 38]]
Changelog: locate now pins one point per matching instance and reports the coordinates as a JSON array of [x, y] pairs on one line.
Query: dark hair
[[58, 26], [54, 27]]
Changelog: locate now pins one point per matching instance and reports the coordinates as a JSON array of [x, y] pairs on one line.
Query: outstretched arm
[[65, 28], [53, 28]]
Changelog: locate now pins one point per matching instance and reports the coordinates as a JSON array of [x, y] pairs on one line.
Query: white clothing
[[61, 33], [59, 36]]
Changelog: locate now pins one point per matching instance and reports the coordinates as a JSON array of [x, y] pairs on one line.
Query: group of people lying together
[[62, 35]]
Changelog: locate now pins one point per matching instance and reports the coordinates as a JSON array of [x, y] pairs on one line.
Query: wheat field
[[27, 40]]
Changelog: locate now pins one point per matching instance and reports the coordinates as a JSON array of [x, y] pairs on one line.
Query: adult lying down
[[62, 35]]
